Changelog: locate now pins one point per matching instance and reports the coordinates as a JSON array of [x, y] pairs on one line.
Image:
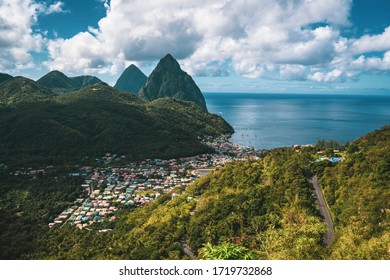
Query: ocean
[[267, 121]]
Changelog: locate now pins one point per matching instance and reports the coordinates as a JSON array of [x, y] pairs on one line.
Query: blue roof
[[335, 159]]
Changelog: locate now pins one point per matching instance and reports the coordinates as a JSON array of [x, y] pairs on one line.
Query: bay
[[268, 121]]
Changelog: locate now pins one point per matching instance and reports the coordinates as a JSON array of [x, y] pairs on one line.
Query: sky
[[308, 46]]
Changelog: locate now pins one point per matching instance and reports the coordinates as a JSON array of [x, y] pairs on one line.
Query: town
[[108, 189]]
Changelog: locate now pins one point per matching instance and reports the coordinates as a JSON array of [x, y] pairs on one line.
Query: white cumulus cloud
[[331, 76], [17, 39], [371, 43], [57, 7], [371, 63], [272, 39]]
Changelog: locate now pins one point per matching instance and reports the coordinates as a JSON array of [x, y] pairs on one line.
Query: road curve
[[329, 236]]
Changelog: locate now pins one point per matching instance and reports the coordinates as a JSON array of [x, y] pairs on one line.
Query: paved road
[[187, 250], [329, 236]]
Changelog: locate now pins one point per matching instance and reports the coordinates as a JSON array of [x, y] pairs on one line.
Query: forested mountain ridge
[[23, 90], [358, 193], [4, 77], [99, 119], [59, 82]]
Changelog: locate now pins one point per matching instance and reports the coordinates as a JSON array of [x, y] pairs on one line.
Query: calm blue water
[[275, 120]]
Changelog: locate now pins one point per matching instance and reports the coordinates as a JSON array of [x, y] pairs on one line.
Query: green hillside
[[257, 209], [85, 80], [263, 207], [56, 79], [22, 90], [100, 119], [254, 209], [4, 77], [60, 83], [358, 193], [260, 209]]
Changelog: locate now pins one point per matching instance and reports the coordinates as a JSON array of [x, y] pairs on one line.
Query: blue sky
[[228, 46]]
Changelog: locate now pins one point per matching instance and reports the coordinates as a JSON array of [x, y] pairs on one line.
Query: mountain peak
[[169, 80], [57, 80], [56, 72], [170, 63], [131, 80], [23, 90], [132, 67], [4, 77]]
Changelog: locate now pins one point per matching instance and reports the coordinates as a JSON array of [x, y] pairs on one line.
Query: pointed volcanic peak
[[168, 80], [59, 82], [131, 80], [4, 77], [23, 90]]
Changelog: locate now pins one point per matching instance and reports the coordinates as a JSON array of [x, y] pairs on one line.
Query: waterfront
[[268, 121]]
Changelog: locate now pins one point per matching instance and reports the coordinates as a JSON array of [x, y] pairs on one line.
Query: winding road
[[329, 236]]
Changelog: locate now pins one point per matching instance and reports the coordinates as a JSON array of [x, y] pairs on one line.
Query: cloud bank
[[17, 38], [273, 39]]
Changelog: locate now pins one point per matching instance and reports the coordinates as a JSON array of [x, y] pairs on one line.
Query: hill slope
[[84, 81], [131, 80], [168, 80], [56, 79], [262, 209], [59, 82], [4, 77], [358, 193], [22, 90], [100, 119]]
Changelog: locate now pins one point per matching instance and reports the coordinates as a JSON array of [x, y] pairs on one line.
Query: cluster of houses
[[29, 172], [336, 155], [109, 189], [336, 158], [224, 147]]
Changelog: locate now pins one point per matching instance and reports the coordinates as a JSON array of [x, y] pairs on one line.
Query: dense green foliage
[[261, 209], [100, 119], [59, 82], [56, 79], [225, 251], [358, 193], [249, 209], [85, 81], [27, 206], [22, 90]]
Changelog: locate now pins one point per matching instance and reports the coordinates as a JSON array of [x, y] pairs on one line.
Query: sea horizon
[[271, 120]]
